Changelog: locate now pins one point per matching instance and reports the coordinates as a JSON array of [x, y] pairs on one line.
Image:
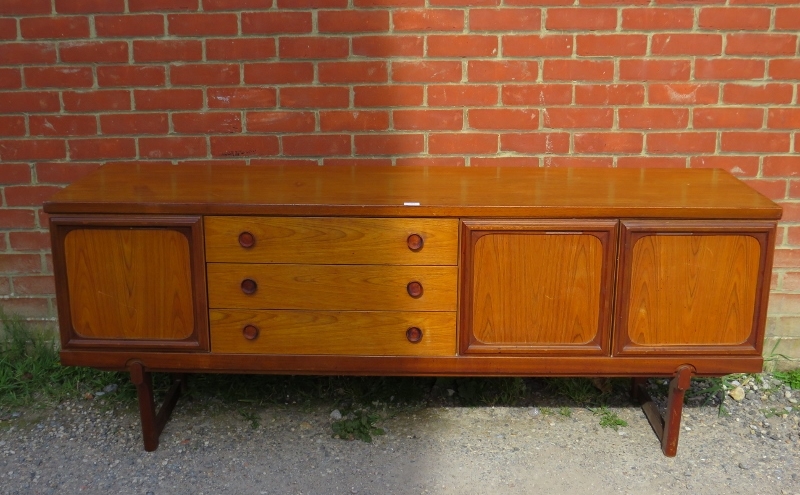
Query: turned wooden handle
[[414, 334], [414, 289], [249, 286], [250, 332], [414, 242], [247, 240]]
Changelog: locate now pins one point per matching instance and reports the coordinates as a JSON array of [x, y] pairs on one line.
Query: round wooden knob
[[414, 334], [249, 286], [250, 332], [247, 240], [414, 289], [414, 242]]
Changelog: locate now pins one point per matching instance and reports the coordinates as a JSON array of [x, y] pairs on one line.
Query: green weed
[[608, 418], [251, 417], [357, 425], [565, 411], [578, 390], [791, 378]]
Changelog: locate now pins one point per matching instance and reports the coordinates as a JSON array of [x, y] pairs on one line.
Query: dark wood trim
[[666, 429], [189, 226], [474, 229], [633, 230], [153, 422]]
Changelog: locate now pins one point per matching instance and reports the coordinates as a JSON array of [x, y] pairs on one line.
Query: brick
[[311, 4], [313, 47], [131, 75], [742, 166], [578, 70], [538, 142], [12, 125], [388, 96], [687, 44], [352, 72], [765, 142], [11, 264], [426, 71], [129, 25], [207, 123], [102, 148], [17, 218], [608, 142], [58, 77], [609, 94], [683, 94], [389, 144], [358, 162], [791, 211], [464, 3], [781, 166], [280, 22], [27, 53], [657, 19], [784, 68], [16, 150], [89, 6], [502, 70], [162, 5], [349, 120], [650, 162], [653, 118], [279, 121], [537, 94], [428, 20], [352, 21], [94, 51], [28, 195], [60, 27], [462, 143], [772, 189], [10, 78], [681, 142], [504, 161], [761, 44], [791, 281], [505, 19], [62, 173], [604, 45], [581, 19], [29, 241], [242, 98], [15, 173], [202, 24], [62, 125], [279, 73], [236, 4], [794, 189], [27, 307], [528, 45], [729, 69], [577, 118], [578, 161], [388, 46], [793, 236], [728, 118], [786, 258], [503, 118], [204, 74], [465, 45], [134, 123], [25, 7], [280, 162], [29, 101], [787, 18], [8, 28], [428, 120], [461, 95], [654, 70], [34, 285], [172, 147], [93, 101], [771, 93], [316, 145], [727, 18], [312, 96], [168, 99], [233, 146], [388, 3], [240, 49], [431, 161], [167, 50]]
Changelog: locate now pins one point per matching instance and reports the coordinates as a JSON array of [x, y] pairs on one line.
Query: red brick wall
[[601, 83]]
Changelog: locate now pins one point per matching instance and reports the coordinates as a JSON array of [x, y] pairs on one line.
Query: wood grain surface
[[693, 289], [332, 287], [536, 288], [332, 240], [129, 283], [334, 332]]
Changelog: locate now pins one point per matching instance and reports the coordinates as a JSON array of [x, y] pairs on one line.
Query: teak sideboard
[[412, 271]]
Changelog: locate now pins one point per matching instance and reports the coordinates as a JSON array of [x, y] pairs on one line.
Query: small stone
[[744, 465], [737, 394], [110, 388], [792, 401], [534, 411], [788, 395], [336, 415]]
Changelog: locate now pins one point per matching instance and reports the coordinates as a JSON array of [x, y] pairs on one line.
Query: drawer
[[328, 241], [332, 287], [365, 333]]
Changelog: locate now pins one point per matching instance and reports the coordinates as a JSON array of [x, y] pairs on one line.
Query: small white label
[[411, 203]]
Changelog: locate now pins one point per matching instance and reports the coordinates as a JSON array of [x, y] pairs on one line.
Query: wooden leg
[[666, 429], [152, 422]]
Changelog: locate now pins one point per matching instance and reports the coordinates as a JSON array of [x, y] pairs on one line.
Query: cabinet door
[[537, 287], [691, 287], [130, 282]]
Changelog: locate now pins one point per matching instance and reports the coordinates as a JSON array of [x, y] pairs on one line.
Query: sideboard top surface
[[216, 189]]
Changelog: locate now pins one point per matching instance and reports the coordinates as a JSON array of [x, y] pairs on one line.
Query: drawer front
[[368, 241], [333, 333], [332, 287]]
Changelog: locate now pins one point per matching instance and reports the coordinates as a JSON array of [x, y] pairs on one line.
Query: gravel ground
[[550, 445]]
